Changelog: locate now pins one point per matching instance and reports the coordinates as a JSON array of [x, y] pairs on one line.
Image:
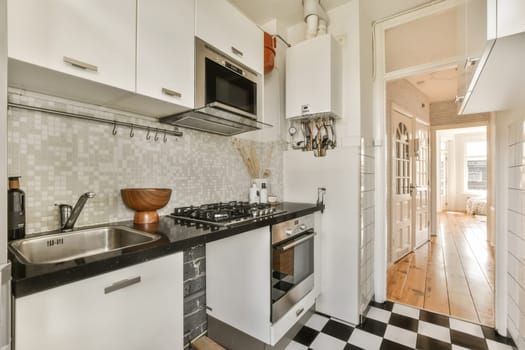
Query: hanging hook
[[165, 137], [131, 132], [148, 136], [156, 135], [114, 132]]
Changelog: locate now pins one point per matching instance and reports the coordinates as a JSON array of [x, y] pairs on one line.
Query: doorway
[[410, 184], [450, 271], [410, 65]]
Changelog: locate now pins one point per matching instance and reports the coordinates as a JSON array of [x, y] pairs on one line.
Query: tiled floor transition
[[396, 326]]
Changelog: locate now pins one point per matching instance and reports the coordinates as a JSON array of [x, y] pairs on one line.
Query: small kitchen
[[202, 174], [145, 159]]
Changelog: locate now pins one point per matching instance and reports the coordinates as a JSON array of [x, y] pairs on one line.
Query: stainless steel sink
[[68, 246]]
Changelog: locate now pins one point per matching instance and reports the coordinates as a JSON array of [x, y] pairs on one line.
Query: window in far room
[[476, 167]]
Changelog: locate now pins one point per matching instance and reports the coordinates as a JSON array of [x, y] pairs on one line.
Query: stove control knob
[[302, 227], [289, 231], [255, 213]]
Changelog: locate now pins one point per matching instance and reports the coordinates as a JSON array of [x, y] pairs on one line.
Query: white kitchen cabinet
[[474, 20], [510, 17], [166, 50], [94, 39], [314, 77], [87, 315], [238, 281], [223, 26], [494, 82]]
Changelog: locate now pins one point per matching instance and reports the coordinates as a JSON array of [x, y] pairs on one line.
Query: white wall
[[510, 221], [339, 172], [423, 41], [511, 194], [3, 131]]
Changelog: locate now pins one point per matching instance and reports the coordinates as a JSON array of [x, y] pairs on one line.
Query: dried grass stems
[[249, 156]]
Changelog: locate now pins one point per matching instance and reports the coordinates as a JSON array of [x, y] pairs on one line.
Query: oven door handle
[[295, 242]]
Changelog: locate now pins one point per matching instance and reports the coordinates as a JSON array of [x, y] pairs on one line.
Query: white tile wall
[[516, 233], [366, 273], [59, 158]]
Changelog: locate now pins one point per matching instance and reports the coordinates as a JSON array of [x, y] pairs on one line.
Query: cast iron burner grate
[[224, 213]]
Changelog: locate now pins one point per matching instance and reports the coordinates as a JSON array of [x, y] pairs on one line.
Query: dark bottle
[[16, 210]]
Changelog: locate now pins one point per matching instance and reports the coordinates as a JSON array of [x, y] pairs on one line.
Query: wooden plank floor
[[453, 274]]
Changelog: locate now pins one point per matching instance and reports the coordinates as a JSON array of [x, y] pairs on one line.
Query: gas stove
[[224, 214]]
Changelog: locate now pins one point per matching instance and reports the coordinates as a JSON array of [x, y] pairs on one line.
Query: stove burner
[[224, 214]]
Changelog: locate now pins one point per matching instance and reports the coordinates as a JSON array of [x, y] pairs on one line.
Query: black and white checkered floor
[[396, 326]]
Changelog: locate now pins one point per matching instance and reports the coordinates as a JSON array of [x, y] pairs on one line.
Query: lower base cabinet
[[134, 308]]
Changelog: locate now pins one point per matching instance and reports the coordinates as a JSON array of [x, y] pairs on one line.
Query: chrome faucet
[[69, 215]]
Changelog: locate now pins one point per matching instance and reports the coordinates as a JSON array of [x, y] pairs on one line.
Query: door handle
[[122, 284]]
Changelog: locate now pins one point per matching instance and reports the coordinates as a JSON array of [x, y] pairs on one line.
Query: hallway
[[453, 274]]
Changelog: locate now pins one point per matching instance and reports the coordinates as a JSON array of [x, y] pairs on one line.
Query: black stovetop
[[224, 213]]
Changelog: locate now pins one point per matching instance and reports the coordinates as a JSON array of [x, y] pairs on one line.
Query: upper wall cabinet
[[223, 26], [132, 55], [493, 79], [165, 50], [510, 16], [93, 39]]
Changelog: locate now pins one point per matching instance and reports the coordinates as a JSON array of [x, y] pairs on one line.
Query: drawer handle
[[237, 52], [80, 64], [122, 284], [298, 312], [171, 93]]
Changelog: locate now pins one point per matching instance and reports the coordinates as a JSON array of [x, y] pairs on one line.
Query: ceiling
[[289, 11], [438, 86]]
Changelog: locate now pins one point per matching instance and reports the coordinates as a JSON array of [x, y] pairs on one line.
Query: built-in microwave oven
[[228, 95]]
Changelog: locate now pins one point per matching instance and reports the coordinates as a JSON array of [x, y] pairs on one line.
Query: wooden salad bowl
[[145, 202]]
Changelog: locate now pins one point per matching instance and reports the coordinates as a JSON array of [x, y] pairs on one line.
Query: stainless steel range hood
[[216, 119]]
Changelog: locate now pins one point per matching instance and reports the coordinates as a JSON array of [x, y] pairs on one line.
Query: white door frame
[[382, 154]]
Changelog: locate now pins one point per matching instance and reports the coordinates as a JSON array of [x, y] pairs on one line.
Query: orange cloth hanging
[[269, 53]]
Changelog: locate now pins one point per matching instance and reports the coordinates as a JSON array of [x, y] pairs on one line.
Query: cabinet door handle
[[237, 52], [459, 99], [471, 62], [122, 284], [80, 64], [171, 93]]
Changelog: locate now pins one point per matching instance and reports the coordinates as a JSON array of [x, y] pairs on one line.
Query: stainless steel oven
[[292, 263]]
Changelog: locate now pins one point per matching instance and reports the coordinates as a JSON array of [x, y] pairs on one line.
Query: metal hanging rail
[[115, 123]]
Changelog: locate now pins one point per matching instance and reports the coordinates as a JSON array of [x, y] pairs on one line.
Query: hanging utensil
[[309, 145], [333, 142]]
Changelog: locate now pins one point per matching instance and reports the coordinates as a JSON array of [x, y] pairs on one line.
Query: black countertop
[[28, 279]]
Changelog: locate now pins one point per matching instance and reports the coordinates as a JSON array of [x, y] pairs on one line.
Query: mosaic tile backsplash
[[59, 158]]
